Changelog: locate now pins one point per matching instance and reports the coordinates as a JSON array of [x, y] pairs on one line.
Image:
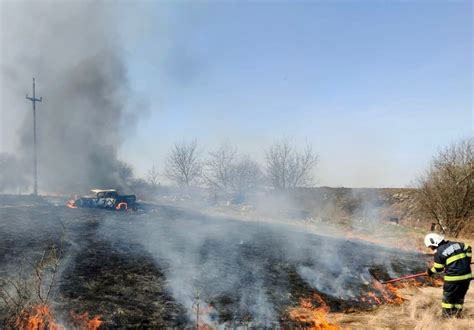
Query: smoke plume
[[248, 270], [73, 50]]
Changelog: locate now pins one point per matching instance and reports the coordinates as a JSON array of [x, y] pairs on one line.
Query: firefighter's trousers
[[453, 297]]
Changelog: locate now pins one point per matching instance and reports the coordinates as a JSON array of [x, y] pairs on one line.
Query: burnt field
[[165, 266]]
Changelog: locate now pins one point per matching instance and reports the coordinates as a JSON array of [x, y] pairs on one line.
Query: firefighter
[[455, 259]]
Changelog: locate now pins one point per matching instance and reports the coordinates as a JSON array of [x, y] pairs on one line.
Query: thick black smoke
[[74, 51]]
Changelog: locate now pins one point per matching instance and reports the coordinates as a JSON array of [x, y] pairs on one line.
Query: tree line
[[444, 194], [229, 173]]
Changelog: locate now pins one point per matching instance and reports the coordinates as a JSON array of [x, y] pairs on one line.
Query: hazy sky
[[375, 86]]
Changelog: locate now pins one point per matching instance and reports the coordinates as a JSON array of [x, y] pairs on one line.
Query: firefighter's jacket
[[455, 259]]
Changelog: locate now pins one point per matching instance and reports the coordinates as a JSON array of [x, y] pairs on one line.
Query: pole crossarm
[[34, 99]]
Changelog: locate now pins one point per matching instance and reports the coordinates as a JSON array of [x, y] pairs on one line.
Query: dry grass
[[422, 310]]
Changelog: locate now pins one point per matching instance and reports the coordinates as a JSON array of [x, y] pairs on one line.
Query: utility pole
[[35, 172]]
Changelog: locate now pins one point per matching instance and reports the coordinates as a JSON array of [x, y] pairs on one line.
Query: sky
[[376, 87]]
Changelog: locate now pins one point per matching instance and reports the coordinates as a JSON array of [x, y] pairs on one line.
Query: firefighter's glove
[[429, 272]]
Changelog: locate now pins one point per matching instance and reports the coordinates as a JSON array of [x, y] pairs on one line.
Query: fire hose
[[407, 277]]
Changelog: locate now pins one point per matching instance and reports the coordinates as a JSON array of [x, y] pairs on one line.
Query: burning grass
[[137, 270], [37, 318], [71, 204], [41, 317], [309, 316], [379, 294], [84, 321], [421, 310]]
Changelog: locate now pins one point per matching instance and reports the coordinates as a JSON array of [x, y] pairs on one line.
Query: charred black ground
[[152, 267]]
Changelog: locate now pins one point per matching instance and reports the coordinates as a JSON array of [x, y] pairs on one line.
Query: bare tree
[[219, 168], [446, 192], [246, 175], [125, 174], [21, 295], [153, 177], [286, 167], [183, 165]]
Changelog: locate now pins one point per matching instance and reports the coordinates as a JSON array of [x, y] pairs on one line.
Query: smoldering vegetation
[[154, 267]]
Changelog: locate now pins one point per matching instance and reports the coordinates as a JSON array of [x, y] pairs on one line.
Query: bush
[[446, 193]]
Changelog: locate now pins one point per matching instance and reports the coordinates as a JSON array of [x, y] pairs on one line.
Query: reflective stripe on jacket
[[455, 259]]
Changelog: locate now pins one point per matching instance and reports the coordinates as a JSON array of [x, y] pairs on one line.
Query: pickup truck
[[105, 199]]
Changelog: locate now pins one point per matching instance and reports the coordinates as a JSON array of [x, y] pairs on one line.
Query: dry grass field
[[421, 310], [124, 268]]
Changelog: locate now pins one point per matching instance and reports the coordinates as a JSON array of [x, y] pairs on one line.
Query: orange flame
[[38, 318], [202, 309], [119, 206], [82, 321], [387, 293], [312, 317], [71, 204], [41, 317], [374, 298]]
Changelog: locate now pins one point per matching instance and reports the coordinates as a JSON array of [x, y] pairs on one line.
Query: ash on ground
[[172, 267]]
